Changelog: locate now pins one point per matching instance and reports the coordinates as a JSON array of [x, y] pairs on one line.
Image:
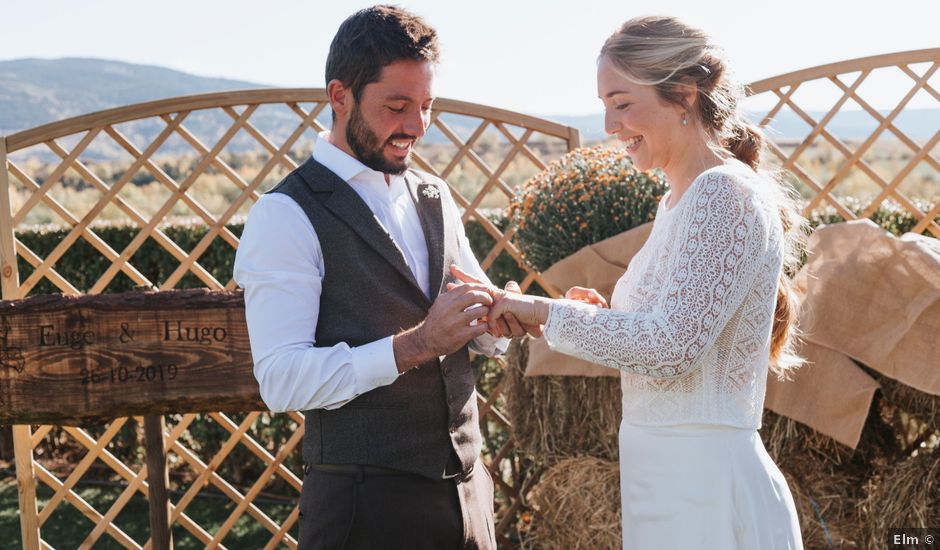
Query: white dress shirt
[[280, 265]]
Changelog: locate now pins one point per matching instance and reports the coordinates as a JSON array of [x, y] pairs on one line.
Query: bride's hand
[[529, 310], [507, 325], [586, 295]]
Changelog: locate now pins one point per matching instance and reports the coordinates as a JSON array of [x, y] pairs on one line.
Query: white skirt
[[701, 486]]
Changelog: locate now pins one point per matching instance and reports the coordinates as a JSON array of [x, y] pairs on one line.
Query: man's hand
[[446, 328], [507, 325], [586, 295]]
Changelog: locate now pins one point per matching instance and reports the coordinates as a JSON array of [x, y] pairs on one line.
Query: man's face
[[391, 115]]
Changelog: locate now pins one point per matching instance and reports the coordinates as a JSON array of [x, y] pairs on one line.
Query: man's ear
[[340, 97]]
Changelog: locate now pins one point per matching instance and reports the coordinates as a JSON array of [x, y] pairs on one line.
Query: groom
[[344, 265]]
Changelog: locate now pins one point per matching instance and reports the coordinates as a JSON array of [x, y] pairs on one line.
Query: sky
[[536, 57]]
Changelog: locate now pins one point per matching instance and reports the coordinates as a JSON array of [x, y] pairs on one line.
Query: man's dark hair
[[372, 38]]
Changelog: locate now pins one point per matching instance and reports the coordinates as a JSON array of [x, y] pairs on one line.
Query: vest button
[[450, 399], [444, 371]]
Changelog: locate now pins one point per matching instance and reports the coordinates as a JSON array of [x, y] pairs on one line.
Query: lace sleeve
[[714, 260]]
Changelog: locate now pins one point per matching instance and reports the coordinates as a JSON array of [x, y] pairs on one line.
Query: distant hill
[[38, 91]]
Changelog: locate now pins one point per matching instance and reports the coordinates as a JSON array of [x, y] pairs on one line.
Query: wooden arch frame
[[784, 86], [516, 131]]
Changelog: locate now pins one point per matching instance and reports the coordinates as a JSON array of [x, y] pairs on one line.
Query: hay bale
[[906, 494], [916, 414], [828, 479], [922, 405], [799, 449], [576, 505], [827, 505], [825, 477], [854, 496], [559, 417]]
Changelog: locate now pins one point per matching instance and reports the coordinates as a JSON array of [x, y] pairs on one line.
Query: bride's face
[[647, 125]]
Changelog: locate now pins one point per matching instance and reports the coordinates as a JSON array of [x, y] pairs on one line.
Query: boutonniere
[[431, 192]]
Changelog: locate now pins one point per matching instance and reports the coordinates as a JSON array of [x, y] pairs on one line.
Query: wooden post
[[26, 485], [157, 479], [574, 138], [9, 273], [22, 444]]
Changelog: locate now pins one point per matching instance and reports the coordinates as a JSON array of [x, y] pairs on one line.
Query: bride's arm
[[716, 261]]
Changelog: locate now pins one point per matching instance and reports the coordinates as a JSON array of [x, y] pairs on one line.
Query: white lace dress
[[689, 329]]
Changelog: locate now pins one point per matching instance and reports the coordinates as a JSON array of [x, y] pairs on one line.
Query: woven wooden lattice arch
[[487, 142], [914, 74]]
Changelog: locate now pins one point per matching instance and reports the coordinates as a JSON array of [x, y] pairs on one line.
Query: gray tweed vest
[[429, 414]]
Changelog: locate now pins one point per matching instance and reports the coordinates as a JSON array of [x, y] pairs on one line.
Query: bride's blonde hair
[[667, 54]]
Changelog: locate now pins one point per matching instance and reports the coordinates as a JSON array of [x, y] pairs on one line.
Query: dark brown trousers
[[372, 511]]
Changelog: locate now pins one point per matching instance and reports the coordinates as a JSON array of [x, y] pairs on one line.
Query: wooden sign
[[70, 360]]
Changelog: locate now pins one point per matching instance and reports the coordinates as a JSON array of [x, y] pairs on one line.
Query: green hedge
[[82, 265], [893, 219]]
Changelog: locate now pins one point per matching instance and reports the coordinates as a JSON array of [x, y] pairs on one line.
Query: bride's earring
[[685, 119]]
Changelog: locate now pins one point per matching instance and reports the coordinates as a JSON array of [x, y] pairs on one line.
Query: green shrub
[[588, 195], [889, 215]]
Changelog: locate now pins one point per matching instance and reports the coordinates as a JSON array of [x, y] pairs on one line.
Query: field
[[215, 191], [886, 158]]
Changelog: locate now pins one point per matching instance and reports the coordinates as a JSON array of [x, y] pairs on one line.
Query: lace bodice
[[690, 320]]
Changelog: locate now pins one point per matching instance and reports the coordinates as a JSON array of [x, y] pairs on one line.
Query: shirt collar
[[353, 171], [336, 160]]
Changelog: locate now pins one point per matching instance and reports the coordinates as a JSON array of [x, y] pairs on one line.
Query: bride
[[703, 310]]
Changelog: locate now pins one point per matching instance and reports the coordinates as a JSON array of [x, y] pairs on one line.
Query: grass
[[67, 527]]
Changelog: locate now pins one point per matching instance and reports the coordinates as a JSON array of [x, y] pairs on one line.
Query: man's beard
[[365, 144]]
